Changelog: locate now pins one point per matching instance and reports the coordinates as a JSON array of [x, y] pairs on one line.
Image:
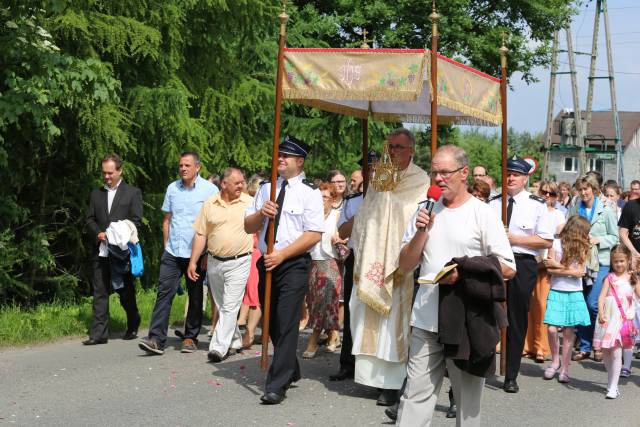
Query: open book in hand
[[433, 278]]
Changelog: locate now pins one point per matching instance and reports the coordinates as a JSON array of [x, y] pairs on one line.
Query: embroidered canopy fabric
[[390, 85]]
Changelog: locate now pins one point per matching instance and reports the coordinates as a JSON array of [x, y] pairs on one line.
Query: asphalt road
[[65, 383]]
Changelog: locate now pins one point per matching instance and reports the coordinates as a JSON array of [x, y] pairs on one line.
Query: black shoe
[[130, 335], [257, 339], [510, 386], [272, 398], [451, 412], [150, 345], [179, 333], [91, 341], [392, 411], [342, 375], [387, 398], [216, 357], [132, 330]]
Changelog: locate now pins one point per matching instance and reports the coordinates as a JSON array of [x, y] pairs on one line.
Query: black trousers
[[101, 290], [347, 360], [289, 284], [172, 269], [519, 290]]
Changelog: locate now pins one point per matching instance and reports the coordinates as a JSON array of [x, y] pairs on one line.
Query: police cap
[[293, 147], [516, 164], [373, 157]]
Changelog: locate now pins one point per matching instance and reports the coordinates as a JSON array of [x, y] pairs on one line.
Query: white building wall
[[557, 166], [631, 160]]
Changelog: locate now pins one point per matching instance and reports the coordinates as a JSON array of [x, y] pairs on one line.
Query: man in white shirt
[[298, 216], [460, 225], [531, 229]]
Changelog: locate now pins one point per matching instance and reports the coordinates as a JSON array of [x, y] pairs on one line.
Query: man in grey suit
[[115, 201]]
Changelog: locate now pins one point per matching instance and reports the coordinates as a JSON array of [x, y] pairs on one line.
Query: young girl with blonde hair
[[566, 306], [615, 331]]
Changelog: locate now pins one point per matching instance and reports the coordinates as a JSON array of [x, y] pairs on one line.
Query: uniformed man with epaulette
[[530, 230], [298, 215]]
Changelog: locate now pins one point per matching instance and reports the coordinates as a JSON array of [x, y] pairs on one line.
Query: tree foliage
[[150, 78]]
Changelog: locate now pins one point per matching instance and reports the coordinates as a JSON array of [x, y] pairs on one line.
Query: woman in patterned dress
[[325, 279]]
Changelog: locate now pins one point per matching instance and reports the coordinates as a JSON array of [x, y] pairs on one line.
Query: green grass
[[49, 322]]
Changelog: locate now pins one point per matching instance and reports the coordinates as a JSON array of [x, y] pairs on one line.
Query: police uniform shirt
[[529, 217], [351, 207], [302, 210]]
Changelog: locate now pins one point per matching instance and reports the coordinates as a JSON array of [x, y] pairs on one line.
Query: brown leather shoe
[[188, 346], [597, 355], [581, 355]]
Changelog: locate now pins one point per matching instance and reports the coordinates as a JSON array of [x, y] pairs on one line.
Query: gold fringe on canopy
[[356, 74], [389, 85]]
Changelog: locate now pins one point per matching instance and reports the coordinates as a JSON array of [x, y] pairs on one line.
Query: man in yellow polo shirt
[[220, 225]]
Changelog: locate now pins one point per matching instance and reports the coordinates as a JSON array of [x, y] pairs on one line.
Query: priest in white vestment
[[381, 299]]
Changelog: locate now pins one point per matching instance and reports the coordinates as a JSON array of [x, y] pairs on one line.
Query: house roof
[[602, 124]]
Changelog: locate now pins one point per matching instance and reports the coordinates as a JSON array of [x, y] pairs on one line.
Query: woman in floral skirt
[[325, 280]]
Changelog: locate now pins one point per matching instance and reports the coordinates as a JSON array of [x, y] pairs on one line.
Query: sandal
[[550, 372], [563, 378], [539, 358], [331, 347], [581, 355], [247, 341], [309, 354]]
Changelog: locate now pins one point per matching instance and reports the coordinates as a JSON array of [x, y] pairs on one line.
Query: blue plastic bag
[[137, 262]]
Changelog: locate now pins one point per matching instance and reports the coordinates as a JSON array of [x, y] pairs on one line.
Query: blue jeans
[[591, 294]]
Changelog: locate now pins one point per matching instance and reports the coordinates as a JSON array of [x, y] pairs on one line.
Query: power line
[[602, 70], [613, 34], [625, 42], [613, 8]]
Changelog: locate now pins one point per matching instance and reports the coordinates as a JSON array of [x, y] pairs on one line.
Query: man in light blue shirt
[[182, 202]]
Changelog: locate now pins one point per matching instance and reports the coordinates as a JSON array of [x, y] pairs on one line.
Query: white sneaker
[[612, 394]]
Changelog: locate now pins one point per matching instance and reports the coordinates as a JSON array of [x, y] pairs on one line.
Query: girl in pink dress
[[616, 305]]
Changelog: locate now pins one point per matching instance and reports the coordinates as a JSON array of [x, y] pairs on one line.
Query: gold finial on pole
[[504, 50], [434, 17], [364, 44], [283, 18]]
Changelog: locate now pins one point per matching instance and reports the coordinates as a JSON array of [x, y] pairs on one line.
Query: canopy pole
[[266, 310], [365, 156], [503, 102], [434, 79], [365, 132]]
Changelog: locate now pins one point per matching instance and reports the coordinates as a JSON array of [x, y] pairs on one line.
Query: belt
[[229, 258], [524, 256]]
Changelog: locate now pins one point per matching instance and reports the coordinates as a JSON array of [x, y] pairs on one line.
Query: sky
[[527, 104]]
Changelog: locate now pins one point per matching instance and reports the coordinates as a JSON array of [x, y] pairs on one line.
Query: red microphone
[[433, 195]]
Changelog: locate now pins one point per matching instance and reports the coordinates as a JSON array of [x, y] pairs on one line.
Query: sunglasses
[[548, 193]]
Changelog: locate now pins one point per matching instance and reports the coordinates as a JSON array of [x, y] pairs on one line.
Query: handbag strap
[[615, 295]]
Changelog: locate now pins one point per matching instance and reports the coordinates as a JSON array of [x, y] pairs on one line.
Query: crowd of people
[[418, 292]]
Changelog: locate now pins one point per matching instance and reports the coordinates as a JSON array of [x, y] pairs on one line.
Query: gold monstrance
[[384, 172]]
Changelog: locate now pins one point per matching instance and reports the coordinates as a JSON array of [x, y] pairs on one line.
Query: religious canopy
[[389, 85]]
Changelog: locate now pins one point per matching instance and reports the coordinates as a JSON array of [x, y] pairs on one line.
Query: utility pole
[[614, 101], [601, 8], [552, 96], [577, 120], [580, 141], [583, 125]]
